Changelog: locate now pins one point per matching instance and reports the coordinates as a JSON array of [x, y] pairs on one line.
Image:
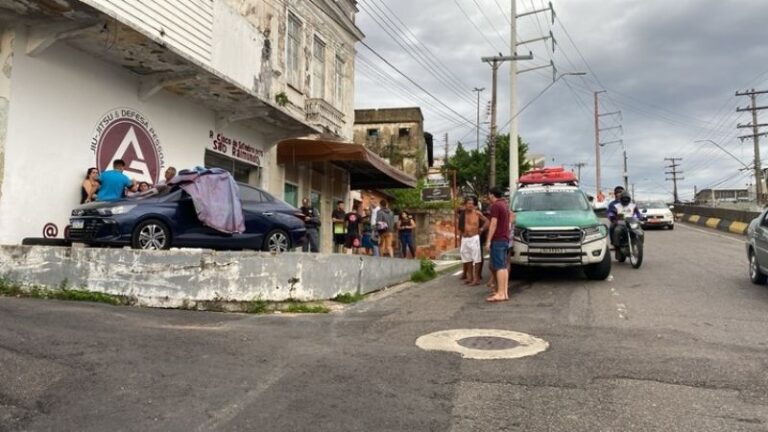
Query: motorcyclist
[[622, 209]]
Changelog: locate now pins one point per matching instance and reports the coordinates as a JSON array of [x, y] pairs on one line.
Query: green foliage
[[10, 289], [295, 307], [411, 199], [425, 273], [281, 99], [473, 167], [257, 307], [348, 298]]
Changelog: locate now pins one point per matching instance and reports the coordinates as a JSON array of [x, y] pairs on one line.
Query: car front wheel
[[755, 274], [151, 235], [277, 241]]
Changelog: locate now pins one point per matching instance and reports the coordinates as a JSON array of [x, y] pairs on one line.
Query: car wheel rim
[[753, 267], [152, 237], [278, 243]]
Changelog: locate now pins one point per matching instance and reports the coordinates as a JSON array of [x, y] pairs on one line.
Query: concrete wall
[[175, 278], [732, 221]]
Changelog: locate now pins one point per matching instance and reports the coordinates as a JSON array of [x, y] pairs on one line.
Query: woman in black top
[[90, 186], [405, 226]]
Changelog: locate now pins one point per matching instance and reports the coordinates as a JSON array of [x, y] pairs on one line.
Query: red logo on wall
[[126, 134]]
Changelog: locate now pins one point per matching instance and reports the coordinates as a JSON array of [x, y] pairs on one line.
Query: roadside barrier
[[734, 227]]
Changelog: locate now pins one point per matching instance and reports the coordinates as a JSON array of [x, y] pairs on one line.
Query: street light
[[748, 168]]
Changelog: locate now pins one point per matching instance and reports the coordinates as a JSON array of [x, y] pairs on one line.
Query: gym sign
[[126, 134]]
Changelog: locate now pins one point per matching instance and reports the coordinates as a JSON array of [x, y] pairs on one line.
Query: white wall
[[57, 99]]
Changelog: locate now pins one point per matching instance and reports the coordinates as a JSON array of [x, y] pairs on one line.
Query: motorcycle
[[630, 236]]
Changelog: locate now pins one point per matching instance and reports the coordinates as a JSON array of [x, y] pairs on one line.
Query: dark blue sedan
[[168, 219]]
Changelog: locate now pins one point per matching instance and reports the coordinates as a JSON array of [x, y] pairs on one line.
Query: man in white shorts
[[471, 249]]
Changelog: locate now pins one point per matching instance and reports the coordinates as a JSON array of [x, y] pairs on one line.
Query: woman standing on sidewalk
[[405, 227]]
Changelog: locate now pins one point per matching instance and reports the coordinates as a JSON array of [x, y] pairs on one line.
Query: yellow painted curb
[[694, 219], [713, 222], [738, 227]]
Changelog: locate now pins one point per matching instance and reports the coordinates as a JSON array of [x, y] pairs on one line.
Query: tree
[[473, 167]]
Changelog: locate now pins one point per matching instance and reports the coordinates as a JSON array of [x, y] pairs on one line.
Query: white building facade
[[161, 83]]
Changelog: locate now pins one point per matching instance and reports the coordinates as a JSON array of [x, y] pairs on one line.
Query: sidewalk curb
[[718, 224]]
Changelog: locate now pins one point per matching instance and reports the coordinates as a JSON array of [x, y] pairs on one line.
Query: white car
[[656, 214]]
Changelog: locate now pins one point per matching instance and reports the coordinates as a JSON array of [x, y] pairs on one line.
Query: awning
[[367, 170]]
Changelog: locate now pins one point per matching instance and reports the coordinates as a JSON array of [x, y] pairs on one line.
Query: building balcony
[[321, 113]]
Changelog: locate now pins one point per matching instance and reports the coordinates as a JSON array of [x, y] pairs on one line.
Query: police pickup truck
[[556, 225]]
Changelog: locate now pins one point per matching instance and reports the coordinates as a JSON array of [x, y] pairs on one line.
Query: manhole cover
[[487, 343], [483, 344]]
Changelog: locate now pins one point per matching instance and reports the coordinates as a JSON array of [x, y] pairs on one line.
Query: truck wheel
[[601, 270]]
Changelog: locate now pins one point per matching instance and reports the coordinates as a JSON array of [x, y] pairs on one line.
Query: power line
[[495, 48]]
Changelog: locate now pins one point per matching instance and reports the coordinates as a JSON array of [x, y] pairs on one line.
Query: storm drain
[[483, 344]]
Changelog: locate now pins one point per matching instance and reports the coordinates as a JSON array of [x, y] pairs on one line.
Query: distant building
[[713, 196], [397, 135]]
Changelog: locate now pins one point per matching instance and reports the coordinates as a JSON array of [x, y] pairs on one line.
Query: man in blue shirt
[[114, 183]]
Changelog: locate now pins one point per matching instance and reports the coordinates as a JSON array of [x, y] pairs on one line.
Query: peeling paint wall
[[407, 153], [7, 38], [269, 20], [172, 278]]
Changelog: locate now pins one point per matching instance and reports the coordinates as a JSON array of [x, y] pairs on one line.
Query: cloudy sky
[[671, 67]]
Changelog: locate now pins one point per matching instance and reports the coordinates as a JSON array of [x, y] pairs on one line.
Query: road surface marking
[[458, 272], [711, 233], [450, 340]]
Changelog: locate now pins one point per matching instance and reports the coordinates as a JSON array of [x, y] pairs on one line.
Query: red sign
[[126, 134]]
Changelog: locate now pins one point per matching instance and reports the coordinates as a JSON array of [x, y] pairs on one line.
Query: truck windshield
[[550, 201]]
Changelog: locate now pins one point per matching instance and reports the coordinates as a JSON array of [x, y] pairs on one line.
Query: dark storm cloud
[[671, 67]]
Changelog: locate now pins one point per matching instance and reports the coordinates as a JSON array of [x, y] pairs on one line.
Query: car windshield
[[653, 205], [550, 201]]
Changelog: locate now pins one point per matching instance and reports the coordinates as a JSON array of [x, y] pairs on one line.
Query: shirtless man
[[471, 249]]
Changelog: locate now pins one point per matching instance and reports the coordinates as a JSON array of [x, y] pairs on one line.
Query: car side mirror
[[591, 198]]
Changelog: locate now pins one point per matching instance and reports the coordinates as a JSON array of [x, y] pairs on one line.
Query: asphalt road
[[679, 345]]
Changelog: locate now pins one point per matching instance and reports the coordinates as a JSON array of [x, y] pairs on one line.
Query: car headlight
[[595, 233], [519, 234], [117, 210]]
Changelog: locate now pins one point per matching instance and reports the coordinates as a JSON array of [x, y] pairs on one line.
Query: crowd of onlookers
[[114, 185], [364, 231]]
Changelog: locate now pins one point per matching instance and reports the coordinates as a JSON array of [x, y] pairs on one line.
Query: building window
[[293, 51], [373, 133], [291, 194], [404, 132], [242, 172], [339, 83], [318, 85]]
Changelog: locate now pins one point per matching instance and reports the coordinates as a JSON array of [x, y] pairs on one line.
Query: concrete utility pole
[[598, 184], [755, 137], [495, 63], [478, 90], [446, 148], [626, 170], [673, 166], [579, 166]]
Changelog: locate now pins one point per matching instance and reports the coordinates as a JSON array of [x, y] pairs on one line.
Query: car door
[[761, 240], [193, 233], [258, 214]]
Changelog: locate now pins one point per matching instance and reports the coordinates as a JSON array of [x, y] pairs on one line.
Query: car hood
[[544, 219]]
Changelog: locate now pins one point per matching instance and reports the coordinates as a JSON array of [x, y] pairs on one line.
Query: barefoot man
[[498, 243], [471, 249]]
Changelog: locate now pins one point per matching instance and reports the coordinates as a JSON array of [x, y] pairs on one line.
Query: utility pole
[[626, 170], [478, 90], [673, 166], [495, 63], [598, 184], [579, 166], [446, 149], [755, 137]]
